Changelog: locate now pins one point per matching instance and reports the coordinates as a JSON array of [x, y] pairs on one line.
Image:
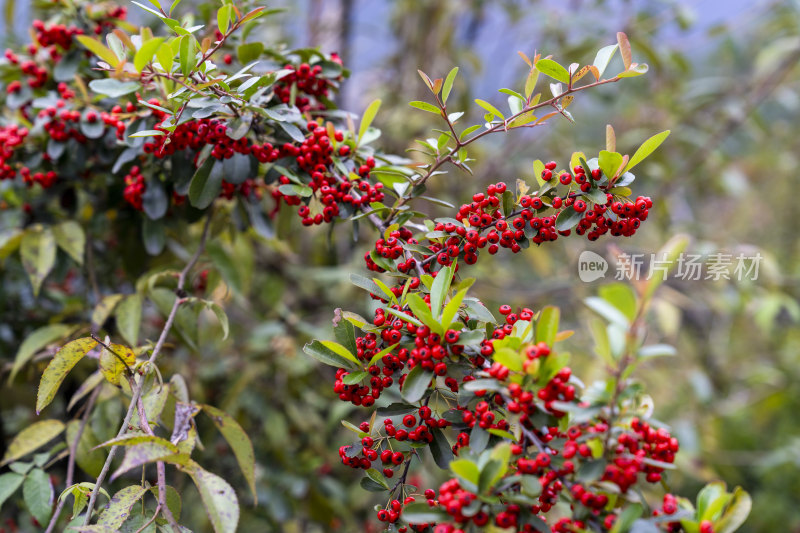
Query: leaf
[[146, 52], [439, 289], [99, 49], [448, 84], [610, 163], [603, 57], [118, 508], [87, 457], [70, 238], [129, 318], [104, 309], [466, 469], [9, 483], [377, 477], [611, 139], [547, 325], [607, 311], [667, 256], [627, 518], [35, 342], [416, 383], [657, 350], [441, 450], [735, 513], [647, 148], [86, 387], [425, 106], [249, 52], [115, 361], [552, 69], [113, 88], [239, 442], [187, 54], [38, 494], [224, 17], [58, 368], [620, 296], [422, 513], [218, 497], [32, 438], [367, 284], [139, 450], [323, 354], [591, 470], [452, 307], [340, 350], [637, 69], [624, 49], [489, 107], [165, 57], [38, 253], [367, 118], [222, 317], [567, 219], [206, 183]]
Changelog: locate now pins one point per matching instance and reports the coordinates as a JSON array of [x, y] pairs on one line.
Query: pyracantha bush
[[163, 130]]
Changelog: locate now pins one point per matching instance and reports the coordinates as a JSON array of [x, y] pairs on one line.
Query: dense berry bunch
[[313, 89]]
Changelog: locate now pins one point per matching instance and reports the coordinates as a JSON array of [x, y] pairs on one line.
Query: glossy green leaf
[[113, 87], [146, 52], [98, 49], [367, 118], [324, 354], [425, 106], [448, 83], [547, 325], [466, 469], [489, 107], [553, 69], [647, 148], [416, 384], [439, 289], [422, 513], [166, 57], [187, 54], [206, 183], [610, 163]]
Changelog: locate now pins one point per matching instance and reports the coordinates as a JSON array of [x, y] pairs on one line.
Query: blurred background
[[723, 77]]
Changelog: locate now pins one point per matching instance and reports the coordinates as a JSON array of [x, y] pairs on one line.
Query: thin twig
[[71, 461], [137, 389]]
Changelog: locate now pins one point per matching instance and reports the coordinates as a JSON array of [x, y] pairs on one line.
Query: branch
[[137, 388]]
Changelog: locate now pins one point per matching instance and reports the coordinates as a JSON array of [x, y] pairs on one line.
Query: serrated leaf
[[36, 341], [32, 438], [115, 361], [239, 442], [58, 368], [118, 508]]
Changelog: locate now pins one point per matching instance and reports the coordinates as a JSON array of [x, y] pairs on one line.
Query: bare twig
[[137, 388]]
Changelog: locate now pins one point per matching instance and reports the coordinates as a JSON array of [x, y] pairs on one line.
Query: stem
[[71, 462], [137, 388]]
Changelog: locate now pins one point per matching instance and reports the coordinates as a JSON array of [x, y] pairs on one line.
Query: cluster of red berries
[[134, 187], [314, 155], [312, 88], [11, 137], [37, 76], [54, 35], [634, 449], [392, 248]]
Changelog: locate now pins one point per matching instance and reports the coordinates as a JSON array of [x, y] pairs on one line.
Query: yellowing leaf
[[115, 361], [35, 342], [99, 49], [118, 508], [64, 360], [218, 497], [70, 238], [366, 120], [38, 252], [239, 442], [32, 438]]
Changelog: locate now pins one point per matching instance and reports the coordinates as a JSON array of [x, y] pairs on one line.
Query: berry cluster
[[641, 451], [55, 35], [312, 89], [11, 137]]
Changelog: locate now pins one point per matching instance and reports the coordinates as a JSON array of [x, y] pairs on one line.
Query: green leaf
[[99, 49], [323, 354], [115, 361], [627, 518], [88, 459], [568, 218], [647, 148], [425, 106], [508, 358], [32, 438], [416, 384], [58, 368], [607, 311], [142, 449], [439, 289], [222, 317], [9, 483], [345, 333], [547, 325], [146, 52], [441, 450], [635, 70], [735, 513], [206, 183], [118, 508], [452, 307], [38, 494], [239, 442], [224, 17], [377, 477], [35, 342], [70, 238], [553, 69], [129, 318], [466, 469], [667, 256], [603, 57], [620, 296], [187, 54], [657, 350], [489, 107], [165, 57], [448, 84], [711, 499], [219, 498], [113, 88], [591, 470], [368, 285], [249, 52], [610, 163], [38, 253], [422, 513], [367, 118]]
